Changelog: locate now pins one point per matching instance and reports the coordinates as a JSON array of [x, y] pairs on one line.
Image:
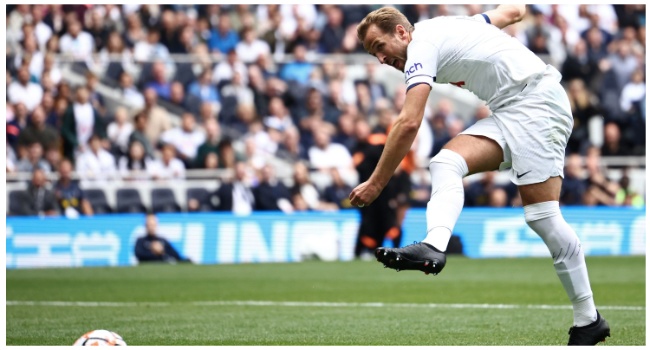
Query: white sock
[[568, 257], [447, 170]]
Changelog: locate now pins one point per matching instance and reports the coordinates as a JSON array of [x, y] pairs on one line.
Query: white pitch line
[[311, 304]]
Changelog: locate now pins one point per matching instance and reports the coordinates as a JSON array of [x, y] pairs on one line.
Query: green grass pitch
[[477, 302]]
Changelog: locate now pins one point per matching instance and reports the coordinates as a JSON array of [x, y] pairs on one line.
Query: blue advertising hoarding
[[218, 238]]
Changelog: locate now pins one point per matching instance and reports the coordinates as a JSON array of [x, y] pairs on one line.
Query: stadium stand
[[282, 81]]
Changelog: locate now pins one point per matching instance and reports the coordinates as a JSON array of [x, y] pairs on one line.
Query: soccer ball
[[100, 337]]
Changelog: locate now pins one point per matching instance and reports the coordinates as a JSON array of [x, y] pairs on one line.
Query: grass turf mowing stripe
[[309, 304]]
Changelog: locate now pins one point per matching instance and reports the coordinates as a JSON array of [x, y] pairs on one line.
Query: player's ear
[[401, 31]]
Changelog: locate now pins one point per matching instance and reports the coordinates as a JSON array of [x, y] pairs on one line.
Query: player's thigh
[[480, 153], [546, 191]]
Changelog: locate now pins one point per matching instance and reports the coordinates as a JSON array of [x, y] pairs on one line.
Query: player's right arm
[[505, 15]]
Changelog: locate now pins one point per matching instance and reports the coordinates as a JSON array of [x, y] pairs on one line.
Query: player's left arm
[[505, 15], [402, 134]]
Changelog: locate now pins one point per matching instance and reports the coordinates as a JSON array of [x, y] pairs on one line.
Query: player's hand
[[365, 194]]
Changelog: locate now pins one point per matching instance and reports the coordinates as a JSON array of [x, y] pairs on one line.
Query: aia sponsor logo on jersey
[[412, 69]]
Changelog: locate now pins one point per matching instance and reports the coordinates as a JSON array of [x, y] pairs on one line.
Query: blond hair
[[385, 18]]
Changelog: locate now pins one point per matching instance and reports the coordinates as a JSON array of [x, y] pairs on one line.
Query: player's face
[[389, 49]]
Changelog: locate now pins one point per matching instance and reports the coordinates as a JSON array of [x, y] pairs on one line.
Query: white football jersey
[[471, 54]]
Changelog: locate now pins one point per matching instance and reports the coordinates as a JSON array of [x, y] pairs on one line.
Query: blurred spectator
[[225, 70], [181, 102], [613, 145], [51, 69], [583, 108], [623, 63], [187, 138], [140, 122], [136, 165], [42, 31], [115, 59], [477, 194], [129, 92], [573, 186], [169, 166], [55, 118], [290, 147], [149, 49], [16, 124], [339, 191], [325, 154], [227, 155], [235, 195], [223, 39], [251, 48], [24, 91], [39, 131], [153, 248], [237, 91], [76, 42], [119, 131], [30, 56], [158, 120], [97, 27], [96, 99], [306, 191], [299, 69], [80, 121], [271, 194], [95, 163], [33, 160], [68, 194], [634, 91], [600, 190], [134, 32], [159, 80], [203, 89], [333, 32], [278, 117], [55, 19], [211, 144], [579, 64], [498, 198], [626, 196], [38, 199]]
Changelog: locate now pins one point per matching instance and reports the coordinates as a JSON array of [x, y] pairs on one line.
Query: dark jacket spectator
[[74, 135], [271, 194], [38, 199], [151, 247]]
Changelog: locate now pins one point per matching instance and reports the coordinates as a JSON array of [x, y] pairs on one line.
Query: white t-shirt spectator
[[30, 95], [187, 143], [334, 155], [85, 121], [100, 166], [224, 71], [175, 169], [249, 53], [80, 47], [119, 134], [631, 93], [35, 65]]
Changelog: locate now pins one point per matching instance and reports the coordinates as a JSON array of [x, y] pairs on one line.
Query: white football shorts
[[532, 129]]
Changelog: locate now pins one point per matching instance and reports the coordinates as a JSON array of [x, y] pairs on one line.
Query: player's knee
[[543, 210], [450, 160]]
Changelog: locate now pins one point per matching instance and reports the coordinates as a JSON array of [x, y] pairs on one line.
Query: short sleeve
[[421, 65], [481, 17]]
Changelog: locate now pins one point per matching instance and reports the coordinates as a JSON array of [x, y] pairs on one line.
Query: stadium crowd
[[229, 86]]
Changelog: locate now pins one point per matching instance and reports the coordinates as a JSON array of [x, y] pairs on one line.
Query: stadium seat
[[97, 199], [202, 196], [15, 199], [129, 201], [164, 201]]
